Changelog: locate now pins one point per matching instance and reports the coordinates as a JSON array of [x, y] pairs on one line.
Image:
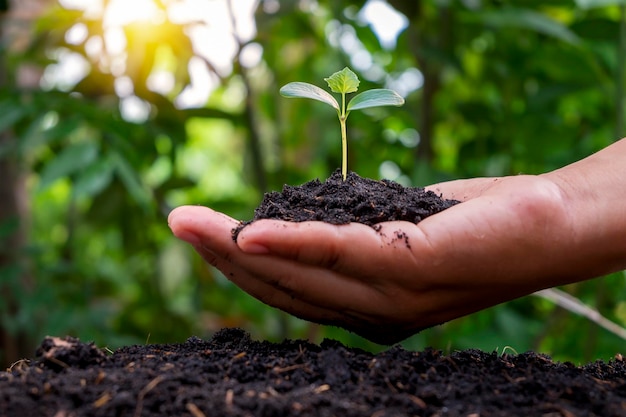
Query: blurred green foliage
[[492, 88]]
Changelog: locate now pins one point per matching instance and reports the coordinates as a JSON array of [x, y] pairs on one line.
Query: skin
[[510, 237]]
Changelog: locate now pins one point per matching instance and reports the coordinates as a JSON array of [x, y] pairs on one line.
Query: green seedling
[[343, 82]]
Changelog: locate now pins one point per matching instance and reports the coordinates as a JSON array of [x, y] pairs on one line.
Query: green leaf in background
[[306, 90], [343, 82], [7, 148], [10, 115], [590, 4], [8, 227], [37, 134], [73, 158], [529, 19], [131, 180], [94, 179], [374, 98]]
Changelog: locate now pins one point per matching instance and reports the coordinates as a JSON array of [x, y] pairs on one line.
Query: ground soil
[[232, 375], [356, 199]]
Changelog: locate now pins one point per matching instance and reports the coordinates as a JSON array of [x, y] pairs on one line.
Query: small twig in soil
[[194, 410], [271, 392], [321, 388], [290, 368], [301, 352], [145, 390], [228, 398], [417, 401], [103, 400], [58, 362], [19, 366]]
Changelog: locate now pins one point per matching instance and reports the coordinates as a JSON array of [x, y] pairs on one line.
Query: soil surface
[[232, 375], [356, 199]]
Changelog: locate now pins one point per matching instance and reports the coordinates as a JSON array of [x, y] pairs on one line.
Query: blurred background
[[114, 112]]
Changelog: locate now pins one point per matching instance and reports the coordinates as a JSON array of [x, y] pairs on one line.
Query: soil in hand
[[356, 199], [232, 375]]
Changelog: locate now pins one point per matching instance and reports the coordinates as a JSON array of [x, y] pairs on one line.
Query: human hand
[[511, 236]]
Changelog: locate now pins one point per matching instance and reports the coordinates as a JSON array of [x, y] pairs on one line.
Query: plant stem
[[344, 149], [344, 138]]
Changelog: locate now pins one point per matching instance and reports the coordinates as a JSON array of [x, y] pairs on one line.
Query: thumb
[[463, 190]]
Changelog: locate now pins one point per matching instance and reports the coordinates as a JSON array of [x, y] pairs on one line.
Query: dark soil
[[231, 375], [356, 199]]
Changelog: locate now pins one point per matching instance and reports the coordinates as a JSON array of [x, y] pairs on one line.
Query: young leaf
[[306, 90], [374, 98], [344, 81]]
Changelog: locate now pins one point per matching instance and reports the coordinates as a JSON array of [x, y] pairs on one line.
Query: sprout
[[343, 82]]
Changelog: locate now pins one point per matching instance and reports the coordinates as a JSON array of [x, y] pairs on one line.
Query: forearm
[[594, 195]]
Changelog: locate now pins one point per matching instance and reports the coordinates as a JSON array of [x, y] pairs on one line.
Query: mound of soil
[[356, 199], [232, 375]]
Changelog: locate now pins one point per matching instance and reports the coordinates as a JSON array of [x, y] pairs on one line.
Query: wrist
[[593, 193]]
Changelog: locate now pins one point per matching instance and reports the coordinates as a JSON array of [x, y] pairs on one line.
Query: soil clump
[[356, 199]]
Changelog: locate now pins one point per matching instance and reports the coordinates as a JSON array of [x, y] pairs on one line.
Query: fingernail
[[189, 237], [254, 248]]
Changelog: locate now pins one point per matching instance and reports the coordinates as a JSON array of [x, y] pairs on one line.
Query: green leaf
[[306, 90], [529, 19], [35, 135], [10, 116], [94, 179], [71, 159], [344, 81], [589, 4], [374, 98], [131, 180], [9, 226]]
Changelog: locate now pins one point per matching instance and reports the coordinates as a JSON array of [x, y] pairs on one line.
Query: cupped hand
[[510, 236]]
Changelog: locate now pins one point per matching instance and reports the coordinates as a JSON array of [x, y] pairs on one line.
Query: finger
[[346, 295], [201, 225], [371, 326], [336, 247], [463, 190], [210, 233], [356, 251], [267, 293]]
